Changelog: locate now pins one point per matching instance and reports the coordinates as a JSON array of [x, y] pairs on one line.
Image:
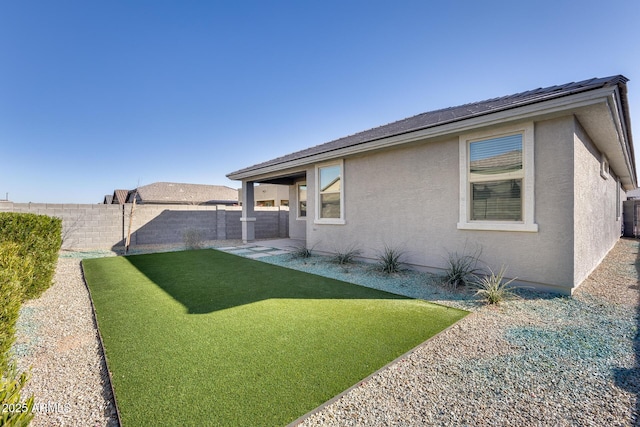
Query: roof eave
[[626, 132], [521, 112]]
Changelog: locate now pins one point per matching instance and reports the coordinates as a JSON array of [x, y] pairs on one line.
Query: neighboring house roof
[[452, 119], [119, 197], [179, 193], [107, 199], [501, 163]]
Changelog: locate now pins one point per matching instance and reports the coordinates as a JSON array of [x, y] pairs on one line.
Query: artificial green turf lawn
[[209, 338]]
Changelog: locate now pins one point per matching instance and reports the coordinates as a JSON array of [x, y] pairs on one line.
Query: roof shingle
[[172, 192], [444, 116]]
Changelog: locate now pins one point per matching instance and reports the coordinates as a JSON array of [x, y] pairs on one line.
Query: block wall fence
[[103, 226]]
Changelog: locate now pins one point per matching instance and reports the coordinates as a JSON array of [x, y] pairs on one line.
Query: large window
[[330, 208], [495, 175], [496, 180]]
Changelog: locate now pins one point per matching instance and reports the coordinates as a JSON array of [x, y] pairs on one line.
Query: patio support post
[[248, 218]]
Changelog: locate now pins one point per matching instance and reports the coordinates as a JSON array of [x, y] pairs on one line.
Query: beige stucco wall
[[409, 198], [597, 224], [297, 226]]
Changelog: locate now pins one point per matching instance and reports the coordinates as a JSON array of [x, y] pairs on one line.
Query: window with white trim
[[329, 194], [302, 200], [496, 180]]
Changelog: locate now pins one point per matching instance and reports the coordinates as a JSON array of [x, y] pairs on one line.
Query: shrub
[[345, 256], [193, 239], [462, 268], [38, 237], [493, 289], [15, 411], [301, 252], [14, 272], [389, 259]]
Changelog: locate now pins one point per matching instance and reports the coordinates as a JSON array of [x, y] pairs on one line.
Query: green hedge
[[39, 237], [29, 246], [14, 271]]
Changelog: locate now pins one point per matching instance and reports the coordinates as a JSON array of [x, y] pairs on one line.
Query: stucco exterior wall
[[297, 226], [409, 198], [597, 220]]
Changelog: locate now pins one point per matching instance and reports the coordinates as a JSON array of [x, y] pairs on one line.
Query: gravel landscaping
[[538, 360]]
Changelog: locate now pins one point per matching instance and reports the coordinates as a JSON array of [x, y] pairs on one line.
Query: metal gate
[[631, 215]]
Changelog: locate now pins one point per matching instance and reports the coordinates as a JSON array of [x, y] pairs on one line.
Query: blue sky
[[99, 95]]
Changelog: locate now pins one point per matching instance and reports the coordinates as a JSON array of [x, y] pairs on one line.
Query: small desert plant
[[301, 252], [389, 259], [462, 269], [193, 239], [493, 289], [345, 256]]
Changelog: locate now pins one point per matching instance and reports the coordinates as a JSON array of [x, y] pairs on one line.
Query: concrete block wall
[[167, 224], [102, 226], [267, 222], [233, 224], [283, 226], [83, 226]]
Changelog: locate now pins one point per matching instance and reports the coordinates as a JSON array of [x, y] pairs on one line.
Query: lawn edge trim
[[351, 283], [101, 345], [339, 396]]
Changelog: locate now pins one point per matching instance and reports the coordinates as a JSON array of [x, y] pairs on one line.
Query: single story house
[[175, 193], [535, 179]]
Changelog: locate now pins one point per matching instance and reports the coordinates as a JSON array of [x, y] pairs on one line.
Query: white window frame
[[298, 216], [528, 185], [318, 208]]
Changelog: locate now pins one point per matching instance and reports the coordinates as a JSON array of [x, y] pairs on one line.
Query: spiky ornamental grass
[[493, 289], [390, 259], [462, 269], [301, 251], [346, 256]]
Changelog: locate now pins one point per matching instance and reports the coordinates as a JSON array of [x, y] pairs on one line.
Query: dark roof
[[446, 115], [107, 199], [119, 197]]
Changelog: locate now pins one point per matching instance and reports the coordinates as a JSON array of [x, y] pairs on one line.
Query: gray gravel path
[[57, 339], [541, 360]]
